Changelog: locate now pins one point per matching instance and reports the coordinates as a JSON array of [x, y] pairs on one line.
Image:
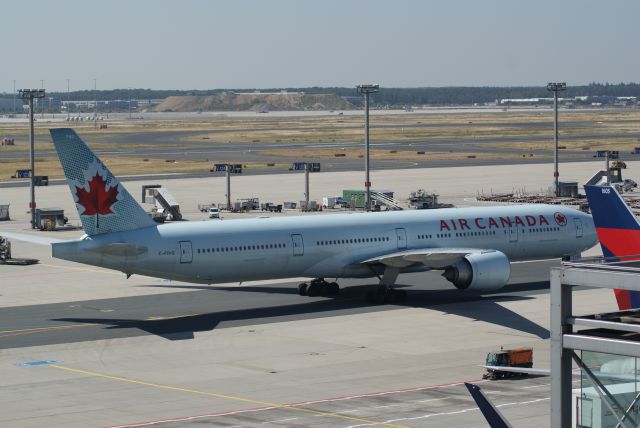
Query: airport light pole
[[228, 176], [306, 185], [42, 106], [228, 169], [95, 103], [555, 88], [130, 103], [68, 99], [307, 167], [29, 95], [366, 90]]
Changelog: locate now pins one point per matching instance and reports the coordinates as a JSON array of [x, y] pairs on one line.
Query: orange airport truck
[[519, 357]]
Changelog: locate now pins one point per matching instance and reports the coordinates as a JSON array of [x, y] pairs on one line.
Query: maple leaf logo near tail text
[[98, 200]]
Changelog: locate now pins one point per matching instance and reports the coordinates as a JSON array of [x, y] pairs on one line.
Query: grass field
[[393, 154], [124, 166], [532, 130]]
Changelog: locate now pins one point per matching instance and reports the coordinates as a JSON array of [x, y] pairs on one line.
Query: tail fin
[[104, 205], [618, 231]]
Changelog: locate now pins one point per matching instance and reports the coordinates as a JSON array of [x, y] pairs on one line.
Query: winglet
[[490, 412], [104, 205]]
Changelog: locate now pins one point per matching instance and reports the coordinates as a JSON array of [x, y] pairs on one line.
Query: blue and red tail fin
[[618, 230]]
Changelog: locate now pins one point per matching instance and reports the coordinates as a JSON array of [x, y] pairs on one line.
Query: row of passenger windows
[[479, 233], [362, 240], [539, 230], [544, 229], [241, 248], [459, 234], [353, 241]]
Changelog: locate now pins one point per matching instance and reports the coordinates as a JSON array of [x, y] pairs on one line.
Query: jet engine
[[484, 271]]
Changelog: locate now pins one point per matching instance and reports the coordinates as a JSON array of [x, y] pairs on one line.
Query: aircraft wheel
[[378, 296], [302, 289], [399, 295], [334, 289], [313, 290]]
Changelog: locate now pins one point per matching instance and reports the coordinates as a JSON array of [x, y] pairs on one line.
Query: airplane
[[472, 246]]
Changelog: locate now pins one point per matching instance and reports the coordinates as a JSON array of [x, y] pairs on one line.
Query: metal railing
[[390, 203]]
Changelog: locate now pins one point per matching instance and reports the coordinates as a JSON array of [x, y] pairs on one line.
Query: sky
[[209, 44]]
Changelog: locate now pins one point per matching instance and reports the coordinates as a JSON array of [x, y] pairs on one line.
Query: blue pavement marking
[[38, 363]]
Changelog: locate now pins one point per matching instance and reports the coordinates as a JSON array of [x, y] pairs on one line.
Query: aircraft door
[[401, 236], [298, 244], [578, 224], [186, 252], [513, 234]]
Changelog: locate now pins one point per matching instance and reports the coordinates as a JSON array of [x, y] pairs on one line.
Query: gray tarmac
[[83, 346], [208, 308]]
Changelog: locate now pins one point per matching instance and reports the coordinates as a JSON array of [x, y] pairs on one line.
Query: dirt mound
[[260, 102]]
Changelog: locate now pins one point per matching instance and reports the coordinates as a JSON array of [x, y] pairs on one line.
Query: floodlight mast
[[366, 90], [228, 177], [555, 88], [28, 95], [307, 167]]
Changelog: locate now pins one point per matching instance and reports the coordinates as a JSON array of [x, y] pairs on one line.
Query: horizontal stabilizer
[[40, 240]]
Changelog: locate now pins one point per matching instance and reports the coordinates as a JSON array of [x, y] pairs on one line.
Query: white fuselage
[[329, 246]]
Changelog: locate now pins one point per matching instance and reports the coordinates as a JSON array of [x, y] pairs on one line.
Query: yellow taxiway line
[[8, 333], [224, 396]]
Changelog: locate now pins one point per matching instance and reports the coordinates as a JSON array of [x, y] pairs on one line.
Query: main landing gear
[[319, 287], [383, 294], [384, 291]]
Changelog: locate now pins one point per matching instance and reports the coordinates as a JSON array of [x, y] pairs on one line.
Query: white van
[[214, 212]]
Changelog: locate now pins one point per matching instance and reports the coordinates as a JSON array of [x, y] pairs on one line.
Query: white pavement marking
[[536, 386], [457, 412]]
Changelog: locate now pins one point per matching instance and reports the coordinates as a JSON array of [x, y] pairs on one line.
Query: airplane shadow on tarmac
[[484, 307]]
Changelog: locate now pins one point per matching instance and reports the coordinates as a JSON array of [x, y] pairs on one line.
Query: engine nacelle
[[485, 271]]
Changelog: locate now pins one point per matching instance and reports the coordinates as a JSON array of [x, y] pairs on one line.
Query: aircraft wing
[[435, 258], [575, 372], [526, 370], [494, 418], [40, 240]]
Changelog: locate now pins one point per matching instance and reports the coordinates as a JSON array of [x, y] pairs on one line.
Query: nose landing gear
[[319, 287]]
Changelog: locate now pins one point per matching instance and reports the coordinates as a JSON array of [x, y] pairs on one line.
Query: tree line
[[437, 96]]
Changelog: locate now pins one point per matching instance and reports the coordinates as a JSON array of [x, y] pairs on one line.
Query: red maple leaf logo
[[560, 219], [99, 199]]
